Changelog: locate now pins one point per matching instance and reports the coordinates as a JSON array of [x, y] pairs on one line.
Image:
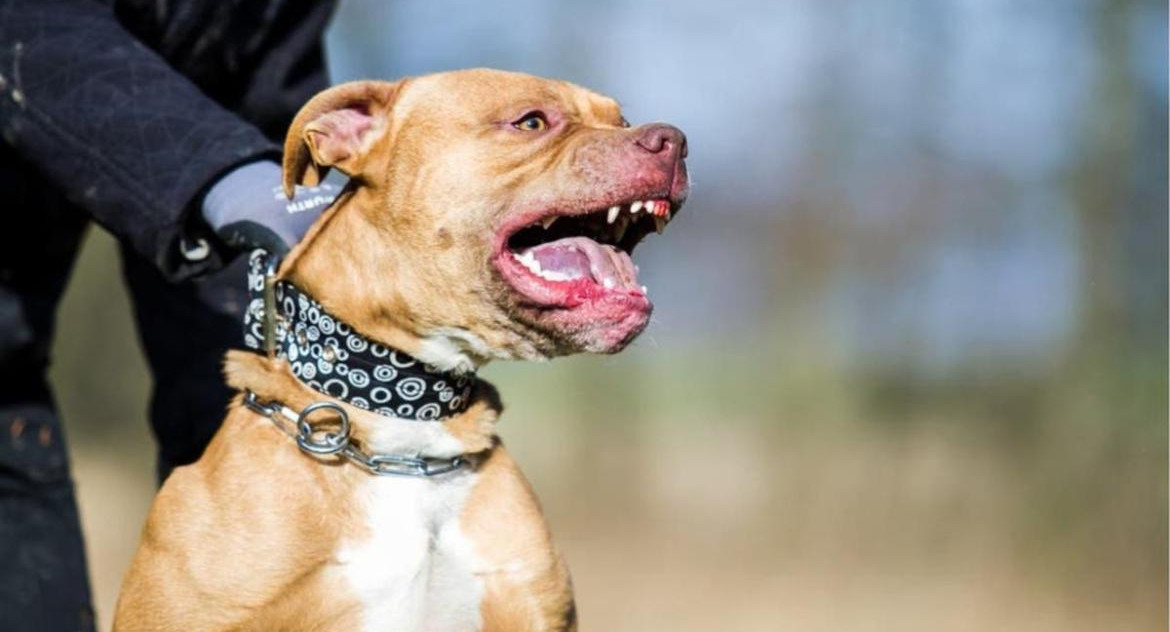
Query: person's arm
[[125, 136]]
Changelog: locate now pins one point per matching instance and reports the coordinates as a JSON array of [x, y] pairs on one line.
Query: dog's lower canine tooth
[[613, 213], [619, 231]]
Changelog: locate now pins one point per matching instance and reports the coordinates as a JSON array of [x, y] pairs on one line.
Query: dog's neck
[[335, 359], [397, 403], [344, 261]]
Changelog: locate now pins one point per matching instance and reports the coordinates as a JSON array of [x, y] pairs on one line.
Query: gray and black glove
[[247, 208]]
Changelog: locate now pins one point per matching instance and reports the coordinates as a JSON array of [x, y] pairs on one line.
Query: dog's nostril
[[661, 137]]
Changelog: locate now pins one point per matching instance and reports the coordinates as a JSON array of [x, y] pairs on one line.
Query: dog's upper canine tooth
[[546, 222], [636, 206], [659, 224], [613, 213]]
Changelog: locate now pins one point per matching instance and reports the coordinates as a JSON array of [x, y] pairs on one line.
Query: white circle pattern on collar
[[333, 359]]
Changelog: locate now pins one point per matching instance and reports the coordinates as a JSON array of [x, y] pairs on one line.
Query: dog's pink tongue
[[581, 257]]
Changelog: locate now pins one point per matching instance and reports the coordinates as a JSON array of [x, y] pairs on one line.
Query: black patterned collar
[[331, 358]]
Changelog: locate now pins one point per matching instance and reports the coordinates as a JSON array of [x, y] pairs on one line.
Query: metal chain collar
[[320, 442]]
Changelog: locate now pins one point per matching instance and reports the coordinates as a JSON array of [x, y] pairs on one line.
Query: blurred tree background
[[908, 369]]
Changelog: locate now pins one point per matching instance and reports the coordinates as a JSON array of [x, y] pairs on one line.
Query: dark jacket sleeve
[[125, 136]]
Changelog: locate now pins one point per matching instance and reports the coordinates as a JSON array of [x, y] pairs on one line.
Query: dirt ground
[[683, 550]]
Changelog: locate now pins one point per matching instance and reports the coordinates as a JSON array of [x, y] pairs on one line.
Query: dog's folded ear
[[337, 128]]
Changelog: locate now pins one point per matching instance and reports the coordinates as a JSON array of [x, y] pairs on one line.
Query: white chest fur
[[415, 570]]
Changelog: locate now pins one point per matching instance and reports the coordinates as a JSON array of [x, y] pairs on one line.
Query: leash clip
[[268, 410], [270, 268]]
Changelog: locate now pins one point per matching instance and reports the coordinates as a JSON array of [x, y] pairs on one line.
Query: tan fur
[[528, 581], [265, 570], [247, 538]]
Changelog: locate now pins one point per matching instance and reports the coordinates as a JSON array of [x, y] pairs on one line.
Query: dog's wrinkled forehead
[[342, 127], [493, 96]]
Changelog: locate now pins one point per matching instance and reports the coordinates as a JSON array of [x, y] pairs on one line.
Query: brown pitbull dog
[[489, 215]]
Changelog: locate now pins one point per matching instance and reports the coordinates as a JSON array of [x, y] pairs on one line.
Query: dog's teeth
[[650, 206], [533, 265], [613, 213], [659, 224], [554, 276], [608, 283], [635, 207], [528, 261], [644, 290], [619, 231], [548, 221]]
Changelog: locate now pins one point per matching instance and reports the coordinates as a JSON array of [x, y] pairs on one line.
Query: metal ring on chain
[[337, 443], [329, 442]]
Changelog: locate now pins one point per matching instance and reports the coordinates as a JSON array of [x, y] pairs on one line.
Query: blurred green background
[[908, 368]]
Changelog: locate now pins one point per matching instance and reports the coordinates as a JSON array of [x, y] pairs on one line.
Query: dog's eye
[[532, 122], [625, 123]]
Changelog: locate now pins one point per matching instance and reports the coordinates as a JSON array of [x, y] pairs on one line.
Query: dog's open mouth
[[562, 259]]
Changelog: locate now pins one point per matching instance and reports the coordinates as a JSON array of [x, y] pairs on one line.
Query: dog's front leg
[[526, 582]]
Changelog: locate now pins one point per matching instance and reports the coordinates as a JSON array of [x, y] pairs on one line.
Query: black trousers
[[184, 330]]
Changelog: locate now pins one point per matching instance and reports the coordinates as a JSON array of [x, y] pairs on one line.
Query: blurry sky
[[890, 178]]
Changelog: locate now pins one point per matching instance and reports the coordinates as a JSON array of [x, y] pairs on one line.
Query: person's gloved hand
[[247, 208]]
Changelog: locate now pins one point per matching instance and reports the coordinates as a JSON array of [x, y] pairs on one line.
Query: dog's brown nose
[[661, 137]]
